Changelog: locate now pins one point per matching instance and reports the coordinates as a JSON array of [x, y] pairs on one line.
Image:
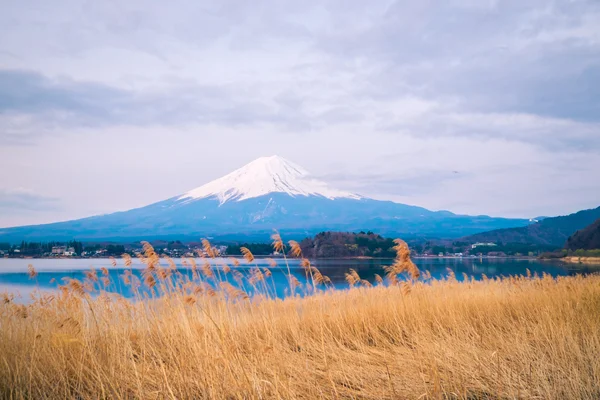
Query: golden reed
[[193, 334]]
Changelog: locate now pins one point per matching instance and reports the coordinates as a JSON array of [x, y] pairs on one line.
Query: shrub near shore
[[199, 336]]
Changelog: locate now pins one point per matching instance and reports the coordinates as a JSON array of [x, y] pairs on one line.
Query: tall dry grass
[[517, 337]]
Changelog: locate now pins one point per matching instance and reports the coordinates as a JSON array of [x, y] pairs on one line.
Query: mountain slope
[[587, 238], [267, 193], [549, 231]]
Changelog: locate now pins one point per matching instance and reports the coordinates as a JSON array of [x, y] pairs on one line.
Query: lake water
[[14, 277]]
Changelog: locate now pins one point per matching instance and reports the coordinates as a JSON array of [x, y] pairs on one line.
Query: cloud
[[460, 68], [413, 182], [32, 104], [410, 90], [95, 104], [31, 92], [21, 199], [504, 56]]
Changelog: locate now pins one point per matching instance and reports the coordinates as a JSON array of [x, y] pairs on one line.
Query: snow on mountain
[[263, 176], [276, 194]]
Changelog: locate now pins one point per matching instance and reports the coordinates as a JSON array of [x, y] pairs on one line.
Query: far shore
[[582, 260]]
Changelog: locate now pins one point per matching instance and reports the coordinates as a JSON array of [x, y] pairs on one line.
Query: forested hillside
[[586, 239], [345, 244], [550, 231]]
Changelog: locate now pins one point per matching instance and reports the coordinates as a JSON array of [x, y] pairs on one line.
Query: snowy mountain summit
[[263, 176], [247, 204]]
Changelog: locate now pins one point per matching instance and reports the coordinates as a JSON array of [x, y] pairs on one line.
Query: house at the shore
[[63, 251]]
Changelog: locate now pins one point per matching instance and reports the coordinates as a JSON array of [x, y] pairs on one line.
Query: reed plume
[[352, 277], [150, 257], [278, 245], [208, 249], [92, 275], [171, 264], [149, 281], [272, 263], [127, 259], [256, 276], [31, 271], [402, 263], [233, 292], [238, 277], [295, 249], [248, 256], [317, 277], [294, 282], [193, 264], [76, 287], [207, 270]]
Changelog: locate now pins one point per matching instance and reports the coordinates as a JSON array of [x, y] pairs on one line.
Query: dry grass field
[[410, 338]]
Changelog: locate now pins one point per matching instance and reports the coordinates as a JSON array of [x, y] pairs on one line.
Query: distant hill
[[550, 231], [587, 238], [347, 244]]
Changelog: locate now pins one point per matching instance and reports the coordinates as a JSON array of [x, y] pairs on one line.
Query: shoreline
[[582, 260], [597, 259]]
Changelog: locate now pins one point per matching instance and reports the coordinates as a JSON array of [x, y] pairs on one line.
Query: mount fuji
[[268, 193]]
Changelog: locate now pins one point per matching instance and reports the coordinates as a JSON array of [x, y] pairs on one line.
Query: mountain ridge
[[268, 193], [549, 231]]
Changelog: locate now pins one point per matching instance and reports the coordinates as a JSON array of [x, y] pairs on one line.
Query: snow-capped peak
[[263, 176]]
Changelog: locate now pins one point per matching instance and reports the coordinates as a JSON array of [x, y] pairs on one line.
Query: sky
[[473, 106]]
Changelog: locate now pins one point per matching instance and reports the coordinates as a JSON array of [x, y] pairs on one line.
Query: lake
[[14, 276]]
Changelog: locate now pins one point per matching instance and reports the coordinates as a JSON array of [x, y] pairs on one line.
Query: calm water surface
[[14, 277]]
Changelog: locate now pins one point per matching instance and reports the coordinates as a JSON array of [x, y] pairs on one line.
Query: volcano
[[265, 194]]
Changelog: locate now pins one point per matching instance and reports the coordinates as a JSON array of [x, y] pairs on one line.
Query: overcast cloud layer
[[479, 107]]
